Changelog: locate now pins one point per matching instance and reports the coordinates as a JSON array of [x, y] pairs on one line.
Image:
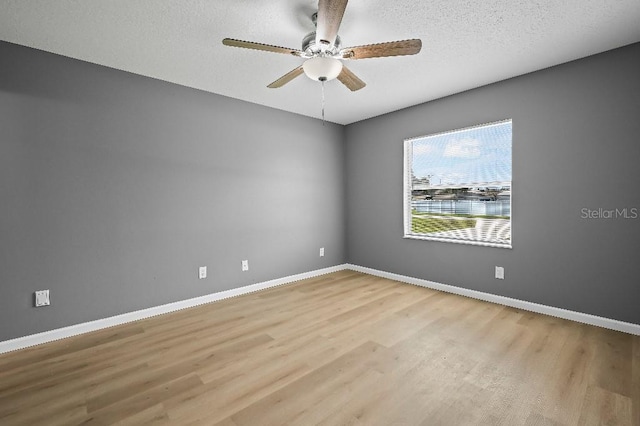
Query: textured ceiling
[[466, 44]]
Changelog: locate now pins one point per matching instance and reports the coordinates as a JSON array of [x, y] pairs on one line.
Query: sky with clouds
[[467, 157]]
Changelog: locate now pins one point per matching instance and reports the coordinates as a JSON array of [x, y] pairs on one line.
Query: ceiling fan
[[323, 51]]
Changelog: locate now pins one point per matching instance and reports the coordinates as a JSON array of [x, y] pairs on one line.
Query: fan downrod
[[311, 49]]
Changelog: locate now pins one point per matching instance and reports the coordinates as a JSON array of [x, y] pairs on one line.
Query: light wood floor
[[344, 348]]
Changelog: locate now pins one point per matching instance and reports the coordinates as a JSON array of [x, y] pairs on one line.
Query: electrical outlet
[[42, 298], [499, 273], [245, 265], [202, 272], [321, 251]]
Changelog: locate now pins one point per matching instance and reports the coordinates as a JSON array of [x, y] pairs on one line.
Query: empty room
[[305, 212]]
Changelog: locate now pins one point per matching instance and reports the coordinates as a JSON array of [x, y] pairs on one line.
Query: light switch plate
[[42, 298], [202, 272]]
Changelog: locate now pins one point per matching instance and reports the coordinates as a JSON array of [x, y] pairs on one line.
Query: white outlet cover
[[42, 298], [499, 273], [321, 251], [202, 272], [245, 265]]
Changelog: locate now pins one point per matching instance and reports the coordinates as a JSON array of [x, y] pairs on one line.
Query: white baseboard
[[73, 330], [611, 324]]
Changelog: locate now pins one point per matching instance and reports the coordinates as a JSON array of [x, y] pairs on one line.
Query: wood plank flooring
[[340, 349]]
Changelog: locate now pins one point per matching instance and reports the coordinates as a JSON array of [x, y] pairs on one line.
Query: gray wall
[[114, 188], [575, 145]]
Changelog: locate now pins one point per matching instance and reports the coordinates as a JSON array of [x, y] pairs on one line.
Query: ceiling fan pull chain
[[322, 102]]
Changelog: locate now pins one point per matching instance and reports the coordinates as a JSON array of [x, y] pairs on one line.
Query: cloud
[[463, 148], [422, 149]]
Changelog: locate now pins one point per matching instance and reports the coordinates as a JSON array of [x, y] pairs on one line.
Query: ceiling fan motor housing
[[311, 49]]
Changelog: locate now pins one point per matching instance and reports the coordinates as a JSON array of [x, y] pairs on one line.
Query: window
[[457, 186]]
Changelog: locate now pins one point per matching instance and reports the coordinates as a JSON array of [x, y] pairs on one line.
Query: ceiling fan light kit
[[323, 53], [322, 68]]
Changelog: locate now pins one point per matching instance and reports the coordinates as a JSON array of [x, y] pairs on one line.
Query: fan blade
[[379, 50], [330, 14], [350, 80], [260, 46], [286, 78]]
